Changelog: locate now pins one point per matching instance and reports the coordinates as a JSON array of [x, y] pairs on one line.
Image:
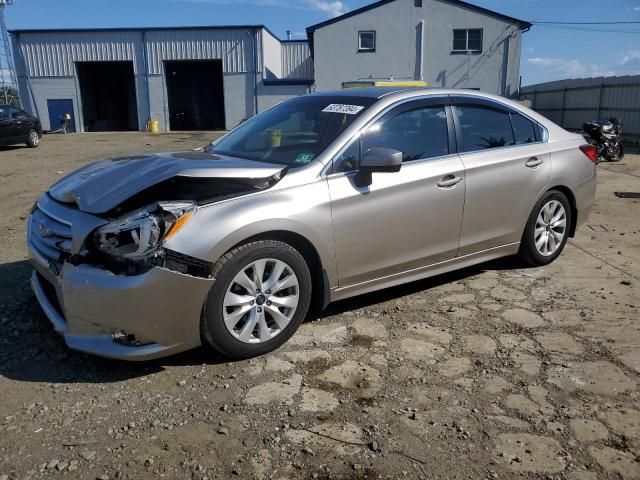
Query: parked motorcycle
[[607, 137]]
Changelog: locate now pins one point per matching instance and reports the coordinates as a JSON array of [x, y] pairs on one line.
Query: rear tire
[[33, 139], [249, 314], [547, 230], [616, 154]]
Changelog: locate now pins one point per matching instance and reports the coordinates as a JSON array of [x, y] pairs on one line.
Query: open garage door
[[195, 95], [108, 92]]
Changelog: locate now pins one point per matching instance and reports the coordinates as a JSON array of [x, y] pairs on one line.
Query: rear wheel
[[547, 230], [33, 139], [615, 153], [260, 297]]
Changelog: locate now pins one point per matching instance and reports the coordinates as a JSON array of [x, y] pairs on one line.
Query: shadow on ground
[[31, 351]]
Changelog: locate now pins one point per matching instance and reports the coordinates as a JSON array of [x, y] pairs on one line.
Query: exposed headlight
[[138, 234]]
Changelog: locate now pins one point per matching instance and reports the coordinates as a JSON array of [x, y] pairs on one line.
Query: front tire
[[260, 296], [33, 139], [547, 230]]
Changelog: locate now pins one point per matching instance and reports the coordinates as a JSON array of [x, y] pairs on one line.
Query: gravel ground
[[492, 372]]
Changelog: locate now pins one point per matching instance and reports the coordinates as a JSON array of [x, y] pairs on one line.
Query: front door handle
[[449, 181], [534, 162]]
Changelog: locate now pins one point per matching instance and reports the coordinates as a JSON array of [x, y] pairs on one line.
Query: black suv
[[17, 126]]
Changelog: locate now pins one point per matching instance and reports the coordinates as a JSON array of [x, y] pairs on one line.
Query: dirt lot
[[493, 372]]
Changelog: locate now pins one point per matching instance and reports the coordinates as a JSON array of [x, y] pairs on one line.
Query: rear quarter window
[[524, 130]]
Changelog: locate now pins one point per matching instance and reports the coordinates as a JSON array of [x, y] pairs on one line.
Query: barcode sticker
[[348, 109]]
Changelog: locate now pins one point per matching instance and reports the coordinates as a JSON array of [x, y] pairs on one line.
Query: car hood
[[118, 183]]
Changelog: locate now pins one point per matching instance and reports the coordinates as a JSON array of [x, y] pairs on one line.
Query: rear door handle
[[449, 181], [534, 162]]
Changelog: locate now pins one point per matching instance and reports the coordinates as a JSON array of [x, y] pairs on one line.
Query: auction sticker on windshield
[[348, 109], [304, 158]]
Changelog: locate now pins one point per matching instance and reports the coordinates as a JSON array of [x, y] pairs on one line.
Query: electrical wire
[[588, 23], [585, 29]]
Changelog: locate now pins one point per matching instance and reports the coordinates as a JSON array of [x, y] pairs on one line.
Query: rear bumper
[[93, 310], [585, 196]]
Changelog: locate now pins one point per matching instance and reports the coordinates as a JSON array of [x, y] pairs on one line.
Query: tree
[[9, 95]]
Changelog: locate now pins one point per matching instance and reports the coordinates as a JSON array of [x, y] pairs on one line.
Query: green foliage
[[9, 96]]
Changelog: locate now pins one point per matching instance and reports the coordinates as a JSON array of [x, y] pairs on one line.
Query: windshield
[[295, 132]]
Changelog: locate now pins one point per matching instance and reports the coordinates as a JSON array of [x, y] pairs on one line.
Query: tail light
[[590, 151]]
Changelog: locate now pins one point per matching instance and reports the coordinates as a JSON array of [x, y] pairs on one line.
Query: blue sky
[[548, 53]]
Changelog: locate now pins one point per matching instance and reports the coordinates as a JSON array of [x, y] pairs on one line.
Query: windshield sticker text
[[348, 109]]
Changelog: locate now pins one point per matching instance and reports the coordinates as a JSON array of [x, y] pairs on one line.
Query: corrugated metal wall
[[570, 103], [296, 60], [54, 54], [234, 47]]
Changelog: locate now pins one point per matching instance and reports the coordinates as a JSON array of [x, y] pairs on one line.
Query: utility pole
[[8, 80]]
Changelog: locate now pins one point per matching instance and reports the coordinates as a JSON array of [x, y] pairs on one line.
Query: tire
[[547, 249], [247, 334], [617, 156], [33, 139]]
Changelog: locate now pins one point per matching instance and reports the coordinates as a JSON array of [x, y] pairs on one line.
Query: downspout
[[26, 74], [421, 70], [145, 60], [505, 73], [255, 70]]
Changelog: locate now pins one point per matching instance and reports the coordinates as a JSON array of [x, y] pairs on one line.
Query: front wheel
[[547, 230], [615, 152], [260, 296], [33, 139]]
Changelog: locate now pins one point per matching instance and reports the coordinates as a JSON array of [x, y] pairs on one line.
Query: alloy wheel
[[34, 138], [261, 300], [551, 228]]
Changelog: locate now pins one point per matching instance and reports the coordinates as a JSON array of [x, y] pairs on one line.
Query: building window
[[367, 41], [467, 40], [417, 3]]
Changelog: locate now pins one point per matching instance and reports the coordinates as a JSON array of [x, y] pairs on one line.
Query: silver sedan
[[320, 198]]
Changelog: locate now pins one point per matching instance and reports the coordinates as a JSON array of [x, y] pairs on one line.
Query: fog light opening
[[126, 339]]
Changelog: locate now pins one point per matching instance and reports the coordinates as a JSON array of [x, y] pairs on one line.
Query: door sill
[[424, 272]]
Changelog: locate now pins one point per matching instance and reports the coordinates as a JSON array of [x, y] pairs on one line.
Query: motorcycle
[[607, 137]]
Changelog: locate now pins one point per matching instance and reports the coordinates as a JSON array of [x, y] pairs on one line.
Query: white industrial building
[[209, 78]]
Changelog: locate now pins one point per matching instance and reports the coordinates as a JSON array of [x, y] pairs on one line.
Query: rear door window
[[483, 128]]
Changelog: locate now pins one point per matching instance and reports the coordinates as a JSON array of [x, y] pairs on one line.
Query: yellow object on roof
[[385, 83]]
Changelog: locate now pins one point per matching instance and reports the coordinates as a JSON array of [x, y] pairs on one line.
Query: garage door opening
[[195, 94], [108, 92]]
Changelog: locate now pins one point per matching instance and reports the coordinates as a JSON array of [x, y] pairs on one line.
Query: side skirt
[[424, 272]]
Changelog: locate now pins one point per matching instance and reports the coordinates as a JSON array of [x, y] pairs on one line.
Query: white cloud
[[331, 8], [630, 59], [334, 8]]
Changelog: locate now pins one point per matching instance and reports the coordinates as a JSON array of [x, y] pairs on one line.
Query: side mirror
[[378, 160]]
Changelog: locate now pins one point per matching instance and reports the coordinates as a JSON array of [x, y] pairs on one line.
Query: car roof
[[393, 94], [367, 92], [381, 92]]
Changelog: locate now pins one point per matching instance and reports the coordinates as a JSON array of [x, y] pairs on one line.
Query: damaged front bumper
[[139, 317]]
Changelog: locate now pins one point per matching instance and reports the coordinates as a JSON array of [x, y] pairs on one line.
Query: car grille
[[49, 235]]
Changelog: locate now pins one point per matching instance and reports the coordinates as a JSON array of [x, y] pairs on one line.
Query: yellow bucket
[[153, 126], [276, 138]]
